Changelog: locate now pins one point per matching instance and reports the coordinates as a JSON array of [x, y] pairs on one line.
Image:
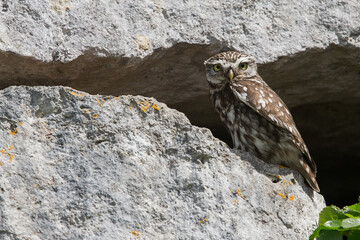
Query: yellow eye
[[243, 66], [217, 67]]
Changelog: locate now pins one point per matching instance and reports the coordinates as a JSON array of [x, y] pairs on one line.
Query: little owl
[[257, 119]]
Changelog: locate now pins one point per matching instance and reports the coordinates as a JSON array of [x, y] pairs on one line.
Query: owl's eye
[[243, 66], [217, 67]]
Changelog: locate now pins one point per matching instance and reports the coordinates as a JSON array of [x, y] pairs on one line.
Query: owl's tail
[[310, 175]]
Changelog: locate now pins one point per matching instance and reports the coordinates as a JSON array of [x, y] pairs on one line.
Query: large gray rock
[[64, 30], [80, 166], [309, 52]]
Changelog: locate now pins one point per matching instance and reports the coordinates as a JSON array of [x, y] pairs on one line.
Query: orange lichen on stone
[[156, 107], [240, 193], [13, 132], [143, 105], [281, 166], [20, 123], [117, 98], [95, 116], [135, 233], [5, 151], [291, 198], [100, 102], [283, 196], [77, 94]]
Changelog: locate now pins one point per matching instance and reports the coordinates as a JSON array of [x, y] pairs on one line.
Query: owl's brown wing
[[262, 99]]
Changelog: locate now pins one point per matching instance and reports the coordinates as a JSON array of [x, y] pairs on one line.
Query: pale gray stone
[[81, 166], [64, 29]]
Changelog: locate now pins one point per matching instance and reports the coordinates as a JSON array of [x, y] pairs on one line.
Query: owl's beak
[[231, 74]]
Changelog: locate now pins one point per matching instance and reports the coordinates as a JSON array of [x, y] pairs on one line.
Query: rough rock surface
[[65, 30], [80, 166], [309, 53]]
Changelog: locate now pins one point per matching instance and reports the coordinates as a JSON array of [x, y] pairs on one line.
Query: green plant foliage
[[334, 223]]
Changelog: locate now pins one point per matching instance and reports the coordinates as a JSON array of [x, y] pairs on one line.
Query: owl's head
[[230, 67]]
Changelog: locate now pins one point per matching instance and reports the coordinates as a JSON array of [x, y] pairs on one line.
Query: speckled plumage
[[257, 119]]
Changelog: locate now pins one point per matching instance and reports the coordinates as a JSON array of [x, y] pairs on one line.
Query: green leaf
[[351, 223], [327, 226], [334, 224], [354, 235], [330, 213], [315, 234], [352, 214], [355, 207], [330, 235]]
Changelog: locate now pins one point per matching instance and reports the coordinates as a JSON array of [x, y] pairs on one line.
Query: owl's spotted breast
[[249, 131]]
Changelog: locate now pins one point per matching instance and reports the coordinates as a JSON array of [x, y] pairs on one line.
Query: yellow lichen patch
[[100, 102], [290, 183], [204, 220], [291, 198], [77, 94], [95, 116], [143, 105], [283, 181], [60, 6], [235, 201], [239, 193], [2, 163], [117, 98], [156, 107], [13, 132], [135, 233], [142, 42], [278, 176], [283, 196], [5, 151], [20, 123], [281, 166]]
